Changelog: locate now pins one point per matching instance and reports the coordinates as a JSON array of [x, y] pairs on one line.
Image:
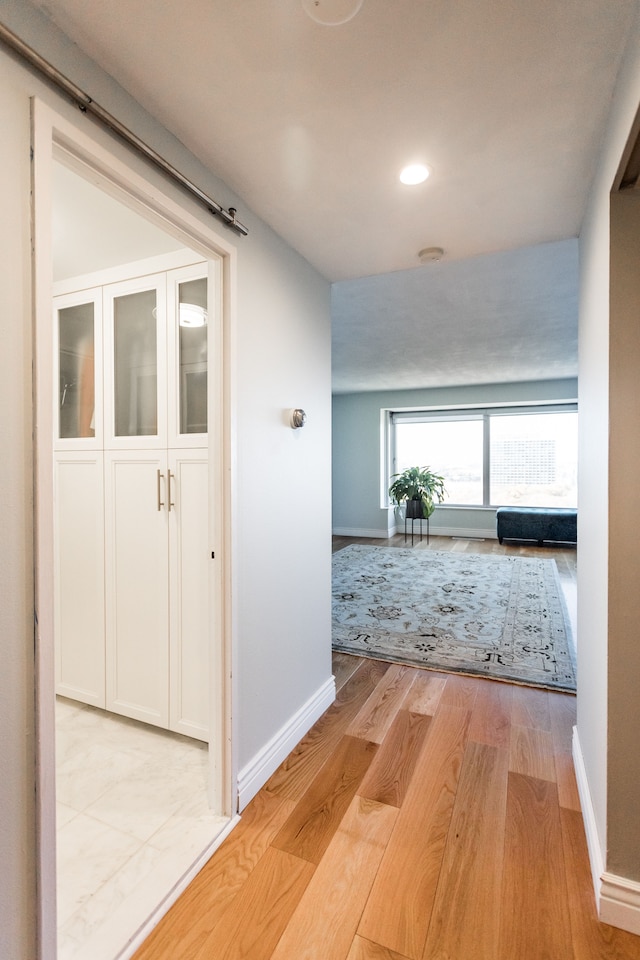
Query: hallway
[[425, 815]]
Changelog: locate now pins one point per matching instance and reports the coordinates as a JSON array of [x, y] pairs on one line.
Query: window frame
[[484, 412]]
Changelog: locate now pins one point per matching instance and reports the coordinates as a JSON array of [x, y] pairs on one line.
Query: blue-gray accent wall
[[358, 461]]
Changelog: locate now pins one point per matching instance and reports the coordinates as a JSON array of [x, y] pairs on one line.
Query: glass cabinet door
[[76, 371], [192, 360], [135, 364]]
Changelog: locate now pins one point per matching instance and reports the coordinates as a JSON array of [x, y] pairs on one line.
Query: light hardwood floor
[[424, 816]]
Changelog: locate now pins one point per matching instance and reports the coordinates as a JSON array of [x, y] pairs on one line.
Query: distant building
[[523, 461]]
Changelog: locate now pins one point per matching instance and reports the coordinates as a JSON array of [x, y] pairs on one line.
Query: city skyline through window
[[493, 458]]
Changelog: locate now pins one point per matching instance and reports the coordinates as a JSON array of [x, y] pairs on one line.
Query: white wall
[[283, 494], [279, 479], [608, 668], [357, 453]]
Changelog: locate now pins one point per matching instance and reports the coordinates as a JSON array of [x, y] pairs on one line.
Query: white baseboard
[[474, 534], [363, 532], [617, 898], [255, 773], [488, 534], [620, 902], [588, 815]]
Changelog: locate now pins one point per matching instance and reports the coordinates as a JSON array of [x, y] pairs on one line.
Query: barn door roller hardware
[[87, 105]]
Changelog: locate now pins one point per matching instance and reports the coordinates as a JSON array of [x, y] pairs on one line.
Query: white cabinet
[[79, 606], [157, 587], [132, 551], [189, 604], [137, 587]]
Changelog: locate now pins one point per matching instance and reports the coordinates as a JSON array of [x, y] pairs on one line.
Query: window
[[452, 448], [494, 457], [533, 460]]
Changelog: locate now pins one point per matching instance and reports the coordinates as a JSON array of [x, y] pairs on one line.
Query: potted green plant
[[419, 488]]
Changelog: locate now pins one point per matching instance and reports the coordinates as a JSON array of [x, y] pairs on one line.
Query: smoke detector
[[430, 254], [331, 13]]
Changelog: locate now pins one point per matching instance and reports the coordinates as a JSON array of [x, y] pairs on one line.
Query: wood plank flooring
[[425, 816]]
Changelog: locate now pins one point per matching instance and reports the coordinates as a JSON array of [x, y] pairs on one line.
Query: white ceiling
[[311, 124]]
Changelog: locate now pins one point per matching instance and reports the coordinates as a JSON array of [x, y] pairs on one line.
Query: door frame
[[113, 168]]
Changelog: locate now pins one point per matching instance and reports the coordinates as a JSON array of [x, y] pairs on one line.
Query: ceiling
[[311, 124], [498, 318]]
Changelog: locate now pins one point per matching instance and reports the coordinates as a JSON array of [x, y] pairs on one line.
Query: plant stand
[[413, 520]]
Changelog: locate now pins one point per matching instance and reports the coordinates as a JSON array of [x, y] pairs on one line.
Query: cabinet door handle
[[160, 500], [170, 502]]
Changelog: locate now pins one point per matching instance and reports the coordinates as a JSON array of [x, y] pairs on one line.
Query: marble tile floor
[[132, 817]]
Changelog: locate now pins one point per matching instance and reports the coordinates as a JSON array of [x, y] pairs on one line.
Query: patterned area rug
[[500, 617]]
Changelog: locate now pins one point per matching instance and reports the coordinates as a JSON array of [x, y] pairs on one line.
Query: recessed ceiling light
[[414, 173]]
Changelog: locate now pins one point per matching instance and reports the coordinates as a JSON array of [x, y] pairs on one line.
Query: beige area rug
[[499, 617]]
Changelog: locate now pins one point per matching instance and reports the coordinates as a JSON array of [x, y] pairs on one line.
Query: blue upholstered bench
[[556, 524]]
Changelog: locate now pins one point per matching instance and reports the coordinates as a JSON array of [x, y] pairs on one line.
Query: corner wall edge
[[255, 773]]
